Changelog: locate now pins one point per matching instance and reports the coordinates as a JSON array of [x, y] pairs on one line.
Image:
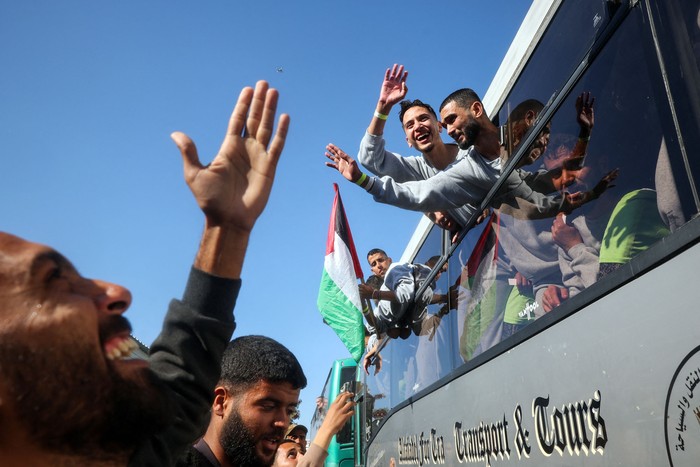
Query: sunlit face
[[443, 220], [537, 148], [63, 348], [298, 434], [288, 454], [460, 124], [564, 169], [379, 263], [422, 129], [256, 422]]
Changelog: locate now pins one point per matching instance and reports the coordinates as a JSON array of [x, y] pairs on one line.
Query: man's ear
[[477, 109], [530, 117], [409, 144], [221, 401]]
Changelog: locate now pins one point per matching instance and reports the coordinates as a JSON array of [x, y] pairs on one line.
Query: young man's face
[[288, 454], [422, 129], [63, 343], [443, 220], [538, 147], [379, 263], [298, 434], [256, 422], [564, 169], [460, 124]]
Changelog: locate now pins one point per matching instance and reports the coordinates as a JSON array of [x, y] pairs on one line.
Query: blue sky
[[90, 92]]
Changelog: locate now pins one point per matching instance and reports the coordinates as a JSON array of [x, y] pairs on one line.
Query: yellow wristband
[[360, 180], [380, 116]]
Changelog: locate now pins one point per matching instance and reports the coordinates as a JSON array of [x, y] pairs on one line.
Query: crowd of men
[[449, 182], [201, 399]]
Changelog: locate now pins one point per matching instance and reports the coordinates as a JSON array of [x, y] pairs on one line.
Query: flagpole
[[367, 309]]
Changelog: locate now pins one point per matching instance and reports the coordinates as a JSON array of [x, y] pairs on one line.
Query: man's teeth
[[122, 350]]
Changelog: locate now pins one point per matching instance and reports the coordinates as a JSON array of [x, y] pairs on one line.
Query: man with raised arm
[[422, 128], [468, 179], [69, 395]]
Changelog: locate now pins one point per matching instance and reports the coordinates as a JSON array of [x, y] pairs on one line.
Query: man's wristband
[[584, 140], [380, 116], [360, 180]]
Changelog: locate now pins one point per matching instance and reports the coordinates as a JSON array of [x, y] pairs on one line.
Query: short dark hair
[[432, 261], [407, 104], [251, 359], [520, 110], [374, 251], [464, 98]]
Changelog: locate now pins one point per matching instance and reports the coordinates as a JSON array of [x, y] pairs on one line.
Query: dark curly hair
[[251, 359], [407, 104]]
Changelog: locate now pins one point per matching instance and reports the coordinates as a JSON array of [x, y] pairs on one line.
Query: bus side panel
[[617, 383]]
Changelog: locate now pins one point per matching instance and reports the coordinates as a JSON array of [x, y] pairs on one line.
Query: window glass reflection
[[615, 142]]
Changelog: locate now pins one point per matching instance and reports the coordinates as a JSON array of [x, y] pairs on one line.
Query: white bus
[[580, 347]]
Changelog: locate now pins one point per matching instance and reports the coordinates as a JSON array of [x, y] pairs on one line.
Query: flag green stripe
[[342, 315]]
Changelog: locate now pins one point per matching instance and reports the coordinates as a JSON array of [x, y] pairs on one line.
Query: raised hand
[[233, 189], [346, 165], [393, 88], [578, 199], [339, 412], [605, 182], [584, 111], [372, 357]]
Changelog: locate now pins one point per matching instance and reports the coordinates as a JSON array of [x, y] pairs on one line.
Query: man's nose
[[283, 419], [112, 298]]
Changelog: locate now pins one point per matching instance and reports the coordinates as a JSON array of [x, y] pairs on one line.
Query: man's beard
[[71, 406], [471, 133], [238, 443]]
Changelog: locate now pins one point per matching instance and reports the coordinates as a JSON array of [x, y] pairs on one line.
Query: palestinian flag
[[339, 296], [478, 291]]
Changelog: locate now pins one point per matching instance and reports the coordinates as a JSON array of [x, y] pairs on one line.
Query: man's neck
[[442, 155], [488, 143]]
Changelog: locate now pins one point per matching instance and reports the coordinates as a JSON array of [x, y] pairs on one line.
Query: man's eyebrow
[[49, 256]]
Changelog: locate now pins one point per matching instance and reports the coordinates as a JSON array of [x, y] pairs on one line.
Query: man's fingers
[[188, 150], [564, 294], [237, 122], [255, 111], [275, 150], [336, 151], [264, 131]]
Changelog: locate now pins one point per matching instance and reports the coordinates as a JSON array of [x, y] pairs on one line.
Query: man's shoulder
[[397, 271], [193, 458]]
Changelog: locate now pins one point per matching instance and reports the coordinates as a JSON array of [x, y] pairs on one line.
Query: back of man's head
[[251, 359], [407, 104], [521, 110], [464, 98], [432, 261]]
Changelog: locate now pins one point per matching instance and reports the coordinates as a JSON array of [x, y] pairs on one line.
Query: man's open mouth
[[422, 138], [120, 347]]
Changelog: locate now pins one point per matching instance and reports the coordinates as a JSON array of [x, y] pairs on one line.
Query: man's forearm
[[222, 251], [381, 112]]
